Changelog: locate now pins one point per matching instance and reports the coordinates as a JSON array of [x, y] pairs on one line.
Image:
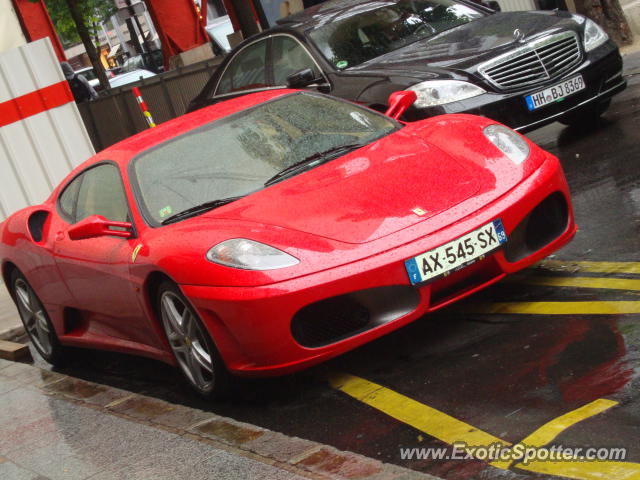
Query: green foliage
[[94, 13]]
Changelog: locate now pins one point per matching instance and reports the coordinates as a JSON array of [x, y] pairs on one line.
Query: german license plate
[[456, 254], [557, 93]]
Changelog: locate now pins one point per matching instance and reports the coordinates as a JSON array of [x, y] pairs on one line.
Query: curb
[[304, 457], [13, 332]]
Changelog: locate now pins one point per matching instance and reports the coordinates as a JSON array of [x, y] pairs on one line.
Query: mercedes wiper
[[198, 209], [312, 161]]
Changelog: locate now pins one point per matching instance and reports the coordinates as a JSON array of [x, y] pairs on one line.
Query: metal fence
[[41, 133], [116, 115]]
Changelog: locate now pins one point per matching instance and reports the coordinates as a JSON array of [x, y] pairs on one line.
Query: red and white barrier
[[42, 136], [143, 107]]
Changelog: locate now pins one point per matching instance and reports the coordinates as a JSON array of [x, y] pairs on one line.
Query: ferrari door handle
[[59, 236]]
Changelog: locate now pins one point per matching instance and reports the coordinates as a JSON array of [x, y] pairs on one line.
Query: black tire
[[191, 344], [36, 321], [585, 116]]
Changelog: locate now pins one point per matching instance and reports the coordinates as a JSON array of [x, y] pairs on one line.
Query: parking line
[[451, 430], [594, 470], [582, 282], [552, 308], [421, 417], [588, 266], [550, 430]]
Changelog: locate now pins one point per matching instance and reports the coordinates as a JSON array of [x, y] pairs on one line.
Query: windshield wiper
[[311, 161], [198, 209]]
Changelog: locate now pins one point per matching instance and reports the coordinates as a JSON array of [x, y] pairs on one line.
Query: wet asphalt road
[[506, 374]]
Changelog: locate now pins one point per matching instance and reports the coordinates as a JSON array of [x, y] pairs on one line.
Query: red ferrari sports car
[[271, 232]]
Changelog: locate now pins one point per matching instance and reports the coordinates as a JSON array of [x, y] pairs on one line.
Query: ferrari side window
[[67, 200], [289, 57], [246, 71], [101, 193]]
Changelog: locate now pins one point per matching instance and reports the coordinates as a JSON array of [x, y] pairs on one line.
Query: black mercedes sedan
[[524, 69]]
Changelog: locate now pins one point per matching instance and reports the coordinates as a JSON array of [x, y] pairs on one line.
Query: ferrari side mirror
[[301, 78], [98, 226], [399, 102]]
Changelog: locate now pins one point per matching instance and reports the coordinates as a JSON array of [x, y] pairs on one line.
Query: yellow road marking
[[594, 470], [550, 430], [595, 267], [582, 282], [553, 308], [451, 430], [421, 417]]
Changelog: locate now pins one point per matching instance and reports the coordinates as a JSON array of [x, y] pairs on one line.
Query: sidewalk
[[59, 427]]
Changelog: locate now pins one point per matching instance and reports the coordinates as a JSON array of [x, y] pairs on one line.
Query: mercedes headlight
[[594, 35], [508, 142], [439, 92], [249, 255]]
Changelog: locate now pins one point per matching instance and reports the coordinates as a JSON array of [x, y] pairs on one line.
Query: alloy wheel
[[34, 317], [188, 341]]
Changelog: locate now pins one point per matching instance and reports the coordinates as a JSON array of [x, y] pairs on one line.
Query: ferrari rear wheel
[[193, 348], [36, 320]]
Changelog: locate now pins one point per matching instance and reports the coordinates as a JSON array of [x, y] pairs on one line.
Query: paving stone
[[47, 461], [144, 408], [16, 437], [344, 464], [58, 423], [11, 471], [8, 384], [279, 446], [182, 417], [393, 472], [107, 397], [4, 363], [29, 375], [16, 369], [75, 388], [21, 405], [228, 431]]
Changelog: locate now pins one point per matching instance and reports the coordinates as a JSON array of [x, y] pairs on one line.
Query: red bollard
[[143, 107]]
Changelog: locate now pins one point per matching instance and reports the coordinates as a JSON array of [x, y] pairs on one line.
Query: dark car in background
[[524, 69]]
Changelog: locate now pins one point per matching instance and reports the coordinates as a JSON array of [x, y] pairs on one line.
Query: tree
[[80, 20], [609, 15]]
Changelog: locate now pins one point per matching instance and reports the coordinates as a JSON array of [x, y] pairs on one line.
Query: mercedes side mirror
[[98, 226], [302, 78], [399, 102]]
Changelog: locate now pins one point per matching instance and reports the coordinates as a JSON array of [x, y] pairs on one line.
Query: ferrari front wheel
[[193, 348], [36, 320]]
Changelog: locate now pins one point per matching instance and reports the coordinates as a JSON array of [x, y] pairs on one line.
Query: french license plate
[[556, 93], [456, 254]]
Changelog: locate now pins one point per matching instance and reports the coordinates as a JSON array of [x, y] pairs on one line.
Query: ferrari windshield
[[239, 154], [350, 41]]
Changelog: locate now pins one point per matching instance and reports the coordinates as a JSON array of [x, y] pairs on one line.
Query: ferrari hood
[[372, 192]]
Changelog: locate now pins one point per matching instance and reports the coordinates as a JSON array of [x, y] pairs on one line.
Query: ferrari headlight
[[249, 255], [508, 142], [439, 92], [594, 35]]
